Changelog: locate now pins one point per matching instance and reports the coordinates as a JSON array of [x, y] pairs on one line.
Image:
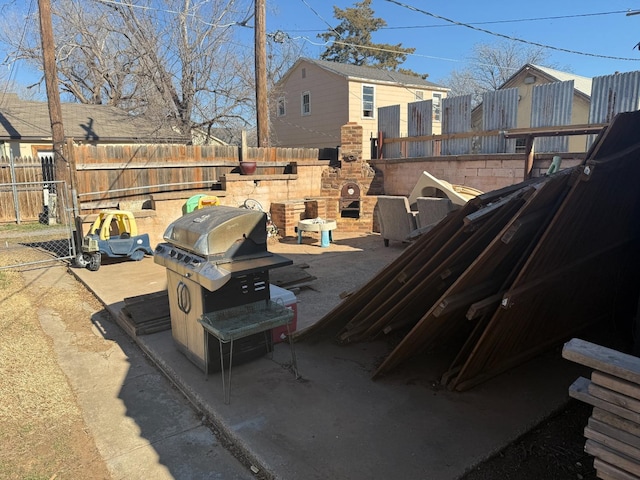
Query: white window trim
[[439, 96], [302, 112], [373, 110], [281, 102]]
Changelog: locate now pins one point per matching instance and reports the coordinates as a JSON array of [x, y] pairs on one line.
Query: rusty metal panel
[[552, 105], [612, 94], [389, 125], [420, 122], [456, 118], [499, 112]]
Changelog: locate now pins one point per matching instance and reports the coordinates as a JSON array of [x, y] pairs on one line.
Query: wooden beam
[[603, 359], [560, 130], [580, 391], [612, 457]]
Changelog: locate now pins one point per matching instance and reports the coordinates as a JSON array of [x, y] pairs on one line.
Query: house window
[[305, 103], [304, 73], [419, 95], [368, 101], [437, 107], [281, 107]]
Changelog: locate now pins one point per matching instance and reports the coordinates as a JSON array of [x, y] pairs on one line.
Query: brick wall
[[483, 172]]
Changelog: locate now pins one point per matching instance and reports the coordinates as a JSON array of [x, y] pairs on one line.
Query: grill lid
[[220, 231], [213, 244]]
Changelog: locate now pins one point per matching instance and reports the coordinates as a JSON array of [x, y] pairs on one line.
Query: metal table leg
[[294, 360]]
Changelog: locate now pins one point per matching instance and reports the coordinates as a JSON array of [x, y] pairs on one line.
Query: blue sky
[[442, 46], [596, 29]]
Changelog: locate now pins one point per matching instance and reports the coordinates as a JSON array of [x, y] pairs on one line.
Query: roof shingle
[[30, 119]]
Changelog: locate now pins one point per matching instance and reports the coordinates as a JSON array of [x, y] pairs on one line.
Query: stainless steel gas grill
[[216, 259]]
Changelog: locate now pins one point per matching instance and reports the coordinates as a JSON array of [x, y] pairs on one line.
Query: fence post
[[14, 189], [73, 173]]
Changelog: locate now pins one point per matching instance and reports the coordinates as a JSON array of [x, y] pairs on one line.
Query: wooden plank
[[607, 471], [613, 432], [146, 297], [629, 389], [484, 307], [614, 458], [580, 391], [603, 359], [614, 397], [614, 444], [464, 298], [560, 130], [616, 422]]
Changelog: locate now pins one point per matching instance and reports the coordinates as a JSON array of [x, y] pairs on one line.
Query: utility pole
[[53, 97], [262, 111]]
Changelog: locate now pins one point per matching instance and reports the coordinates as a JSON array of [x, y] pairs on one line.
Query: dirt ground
[[43, 435], [42, 432], [552, 451]]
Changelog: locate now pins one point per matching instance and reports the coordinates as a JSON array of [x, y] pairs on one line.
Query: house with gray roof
[[315, 98], [25, 127]]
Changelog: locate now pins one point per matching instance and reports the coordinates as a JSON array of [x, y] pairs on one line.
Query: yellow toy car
[[113, 234]]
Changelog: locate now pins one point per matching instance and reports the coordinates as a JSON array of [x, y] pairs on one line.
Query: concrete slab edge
[[222, 433]]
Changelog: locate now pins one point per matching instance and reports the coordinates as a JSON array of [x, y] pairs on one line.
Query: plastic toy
[[114, 234]]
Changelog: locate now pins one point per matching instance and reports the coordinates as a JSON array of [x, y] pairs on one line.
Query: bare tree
[[175, 61], [489, 66]]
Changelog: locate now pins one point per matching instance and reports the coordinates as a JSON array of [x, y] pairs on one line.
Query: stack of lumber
[[512, 273], [291, 276], [613, 430], [145, 314]]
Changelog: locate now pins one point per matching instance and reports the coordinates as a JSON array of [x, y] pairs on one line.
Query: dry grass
[[42, 432]]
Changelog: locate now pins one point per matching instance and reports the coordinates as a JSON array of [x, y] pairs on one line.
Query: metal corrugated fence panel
[[612, 94], [499, 112], [389, 125], [456, 118], [552, 105], [420, 123]]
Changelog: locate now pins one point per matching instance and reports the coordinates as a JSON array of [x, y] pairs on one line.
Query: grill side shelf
[[244, 320]]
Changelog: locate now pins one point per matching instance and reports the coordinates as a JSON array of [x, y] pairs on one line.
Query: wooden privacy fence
[[108, 173], [25, 184]]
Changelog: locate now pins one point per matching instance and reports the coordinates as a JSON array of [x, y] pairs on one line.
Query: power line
[[508, 37], [492, 22], [242, 23]]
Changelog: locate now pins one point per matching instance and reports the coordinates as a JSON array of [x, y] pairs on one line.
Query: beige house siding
[[385, 95], [580, 110], [580, 115], [321, 128], [21, 148], [335, 100]]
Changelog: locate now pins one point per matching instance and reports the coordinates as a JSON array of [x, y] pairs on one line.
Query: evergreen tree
[[351, 42]]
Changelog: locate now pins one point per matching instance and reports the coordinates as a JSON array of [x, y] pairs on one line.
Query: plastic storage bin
[[288, 298]]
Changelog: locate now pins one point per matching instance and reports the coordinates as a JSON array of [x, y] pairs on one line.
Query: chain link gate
[[31, 232]]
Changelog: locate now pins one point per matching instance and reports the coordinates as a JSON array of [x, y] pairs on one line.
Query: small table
[[238, 322], [313, 225]]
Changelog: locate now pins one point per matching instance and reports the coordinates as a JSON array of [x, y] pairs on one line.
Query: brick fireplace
[[348, 192]]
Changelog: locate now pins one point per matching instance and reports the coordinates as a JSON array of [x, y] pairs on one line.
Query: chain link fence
[[43, 226]]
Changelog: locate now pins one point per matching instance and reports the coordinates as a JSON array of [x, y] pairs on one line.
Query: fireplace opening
[[350, 200]]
